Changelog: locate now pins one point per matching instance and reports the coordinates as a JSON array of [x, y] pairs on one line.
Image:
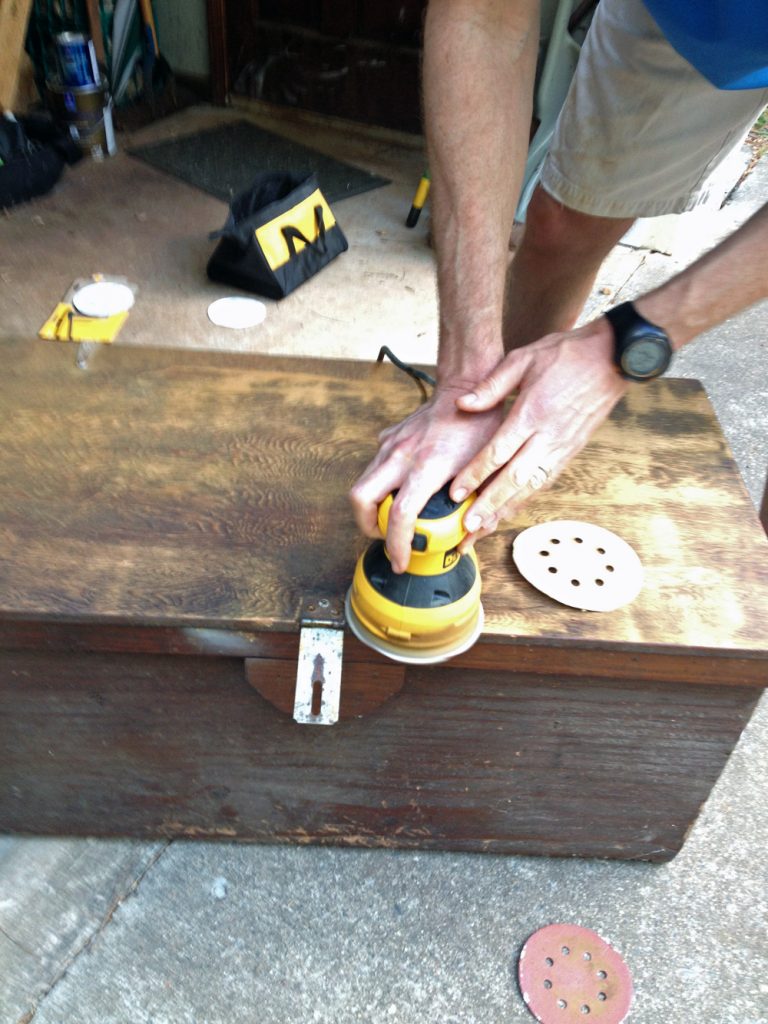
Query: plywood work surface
[[193, 489]]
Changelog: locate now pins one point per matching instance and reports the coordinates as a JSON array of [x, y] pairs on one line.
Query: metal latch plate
[[318, 675]]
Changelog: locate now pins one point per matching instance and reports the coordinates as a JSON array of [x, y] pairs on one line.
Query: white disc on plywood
[[103, 298], [579, 564], [237, 312]]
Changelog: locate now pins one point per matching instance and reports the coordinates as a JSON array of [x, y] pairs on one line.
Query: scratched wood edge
[[578, 660], [179, 831]]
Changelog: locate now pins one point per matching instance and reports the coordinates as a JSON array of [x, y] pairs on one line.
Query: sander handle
[[437, 534]]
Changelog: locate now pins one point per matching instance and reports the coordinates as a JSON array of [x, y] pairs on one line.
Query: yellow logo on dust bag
[[301, 224]]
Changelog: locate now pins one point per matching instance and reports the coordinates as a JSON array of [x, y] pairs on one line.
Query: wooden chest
[[166, 518]]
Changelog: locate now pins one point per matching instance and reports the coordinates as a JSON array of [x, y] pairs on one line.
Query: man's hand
[[417, 457], [567, 385]]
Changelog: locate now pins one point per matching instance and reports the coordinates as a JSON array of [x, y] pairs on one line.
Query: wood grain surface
[[200, 490]]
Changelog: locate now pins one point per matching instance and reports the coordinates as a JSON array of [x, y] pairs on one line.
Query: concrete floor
[[124, 932]]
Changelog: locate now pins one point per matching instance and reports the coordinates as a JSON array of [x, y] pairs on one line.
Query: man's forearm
[[479, 64], [724, 281]]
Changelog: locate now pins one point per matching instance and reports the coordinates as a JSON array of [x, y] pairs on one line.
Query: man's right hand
[[417, 457]]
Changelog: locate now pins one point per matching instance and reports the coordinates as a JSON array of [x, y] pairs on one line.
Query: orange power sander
[[430, 612]]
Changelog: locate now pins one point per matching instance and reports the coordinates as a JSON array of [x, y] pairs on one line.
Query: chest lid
[[185, 489]]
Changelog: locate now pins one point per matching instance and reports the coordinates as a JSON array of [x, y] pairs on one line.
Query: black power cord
[[418, 375]]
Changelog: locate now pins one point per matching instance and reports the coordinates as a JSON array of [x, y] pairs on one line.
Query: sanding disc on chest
[[579, 564]]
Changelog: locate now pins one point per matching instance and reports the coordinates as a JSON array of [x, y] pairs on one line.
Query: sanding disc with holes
[[568, 973], [579, 564]]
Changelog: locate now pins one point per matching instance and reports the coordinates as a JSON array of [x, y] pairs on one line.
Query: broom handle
[[149, 21], [94, 20]]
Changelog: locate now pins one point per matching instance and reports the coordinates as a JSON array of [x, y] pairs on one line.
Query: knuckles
[[498, 453]]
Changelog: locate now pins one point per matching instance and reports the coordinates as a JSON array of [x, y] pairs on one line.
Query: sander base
[[413, 655]]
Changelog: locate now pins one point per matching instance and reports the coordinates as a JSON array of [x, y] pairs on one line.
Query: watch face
[[646, 357]]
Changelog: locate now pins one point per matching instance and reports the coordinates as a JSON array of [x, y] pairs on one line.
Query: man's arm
[[479, 66], [568, 384], [722, 282]]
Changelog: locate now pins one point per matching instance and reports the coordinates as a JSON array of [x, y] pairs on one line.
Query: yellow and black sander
[[430, 612]]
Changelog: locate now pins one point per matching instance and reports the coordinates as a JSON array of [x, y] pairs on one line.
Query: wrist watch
[[642, 350]]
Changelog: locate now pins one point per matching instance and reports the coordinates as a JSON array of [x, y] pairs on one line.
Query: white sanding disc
[[579, 564], [237, 312], [103, 298]]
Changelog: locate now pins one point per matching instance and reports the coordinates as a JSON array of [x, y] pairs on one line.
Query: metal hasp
[[318, 674]]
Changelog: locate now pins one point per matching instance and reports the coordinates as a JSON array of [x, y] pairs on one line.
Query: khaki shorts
[[641, 130]]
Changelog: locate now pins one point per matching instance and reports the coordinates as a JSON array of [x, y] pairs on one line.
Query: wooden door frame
[[219, 50]]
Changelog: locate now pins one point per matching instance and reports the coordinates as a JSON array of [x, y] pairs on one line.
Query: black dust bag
[[33, 152], [279, 232]]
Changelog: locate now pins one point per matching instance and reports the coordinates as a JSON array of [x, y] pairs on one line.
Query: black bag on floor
[[33, 152], [279, 232]]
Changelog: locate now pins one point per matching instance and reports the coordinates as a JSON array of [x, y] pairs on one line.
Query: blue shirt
[[725, 40]]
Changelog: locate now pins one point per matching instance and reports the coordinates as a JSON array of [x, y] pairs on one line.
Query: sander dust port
[[432, 611]]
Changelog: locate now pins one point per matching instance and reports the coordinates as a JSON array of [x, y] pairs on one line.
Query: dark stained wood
[[218, 49], [369, 82], [366, 685], [350, 59], [641, 661], [480, 761], [164, 516]]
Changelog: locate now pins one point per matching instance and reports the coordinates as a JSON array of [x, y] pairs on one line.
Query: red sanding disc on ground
[[568, 974]]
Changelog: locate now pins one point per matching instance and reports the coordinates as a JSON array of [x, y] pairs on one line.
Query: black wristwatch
[[642, 349]]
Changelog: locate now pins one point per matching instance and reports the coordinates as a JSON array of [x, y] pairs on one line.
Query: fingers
[[415, 482], [502, 448], [569, 388], [383, 476], [413, 495], [507, 441], [497, 385], [534, 467], [471, 539], [416, 458], [566, 385]]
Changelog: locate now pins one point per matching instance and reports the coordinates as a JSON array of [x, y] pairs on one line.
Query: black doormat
[[224, 161]]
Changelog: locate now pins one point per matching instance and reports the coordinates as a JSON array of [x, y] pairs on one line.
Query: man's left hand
[[567, 385]]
